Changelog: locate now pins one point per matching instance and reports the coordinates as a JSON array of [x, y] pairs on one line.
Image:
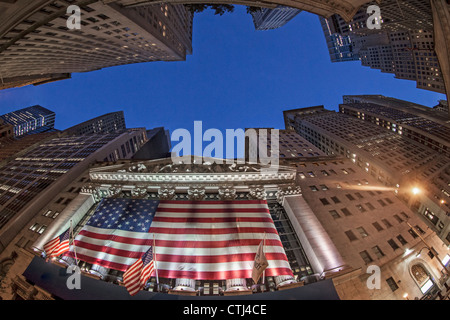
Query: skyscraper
[[29, 120], [107, 123], [404, 47], [38, 47], [398, 144], [33, 175], [267, 19]]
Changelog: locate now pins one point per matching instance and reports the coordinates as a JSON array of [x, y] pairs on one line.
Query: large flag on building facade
[[58, 245], [139, 272], [202, 240]]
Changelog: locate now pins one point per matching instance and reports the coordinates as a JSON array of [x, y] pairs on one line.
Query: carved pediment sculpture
[[166, 193], [257, 193], [227, 193], [196, 193]]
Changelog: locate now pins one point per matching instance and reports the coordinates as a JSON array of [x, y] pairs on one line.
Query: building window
[[399, 220], [47, 213], [370, 206], [351, 236], [41, 229], [383, 204], [361, 208], [349, 197], [362, 232], [386, 223], [335, 199], [392, 284], [393, 244], [313, 188], [346, 212], [334, 214], [377, 226], [401, 240], [420, 229], [34, 227], [414, 235], [404, 215], [378, 252], [365, 256], [324, 201]]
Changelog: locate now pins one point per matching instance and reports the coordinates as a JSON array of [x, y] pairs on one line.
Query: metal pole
[[429, 248]]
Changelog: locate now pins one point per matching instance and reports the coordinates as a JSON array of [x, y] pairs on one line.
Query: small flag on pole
[[139, 272], [260, 263], [58, 245]]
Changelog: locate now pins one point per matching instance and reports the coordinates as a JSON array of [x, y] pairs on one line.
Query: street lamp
[[433, 252]]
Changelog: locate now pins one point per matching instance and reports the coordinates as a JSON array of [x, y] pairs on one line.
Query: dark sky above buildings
[[236, 78]]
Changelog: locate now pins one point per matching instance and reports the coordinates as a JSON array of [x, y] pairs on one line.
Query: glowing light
[[415, 190]]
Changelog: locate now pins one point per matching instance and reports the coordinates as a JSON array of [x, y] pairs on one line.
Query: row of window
[[376, 249]]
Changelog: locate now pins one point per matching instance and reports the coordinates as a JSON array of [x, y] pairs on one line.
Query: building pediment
[[208, 171]]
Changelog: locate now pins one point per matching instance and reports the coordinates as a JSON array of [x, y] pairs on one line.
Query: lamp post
[[433, 251]]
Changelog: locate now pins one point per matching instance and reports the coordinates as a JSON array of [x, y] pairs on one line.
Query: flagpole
[[264, 271], [156, 262], [73, 243]]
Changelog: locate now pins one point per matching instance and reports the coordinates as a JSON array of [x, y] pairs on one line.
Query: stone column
[[184, 284], [284, 280], [236, 284]]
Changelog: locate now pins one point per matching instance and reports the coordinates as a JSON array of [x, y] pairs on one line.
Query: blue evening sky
[[237, 77]]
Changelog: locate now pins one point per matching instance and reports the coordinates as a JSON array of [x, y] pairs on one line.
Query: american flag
[[58, 245], [209, 240], [139, 272]]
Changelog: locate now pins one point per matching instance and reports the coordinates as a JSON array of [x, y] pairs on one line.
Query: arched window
[[422, 277], [419, 274]]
